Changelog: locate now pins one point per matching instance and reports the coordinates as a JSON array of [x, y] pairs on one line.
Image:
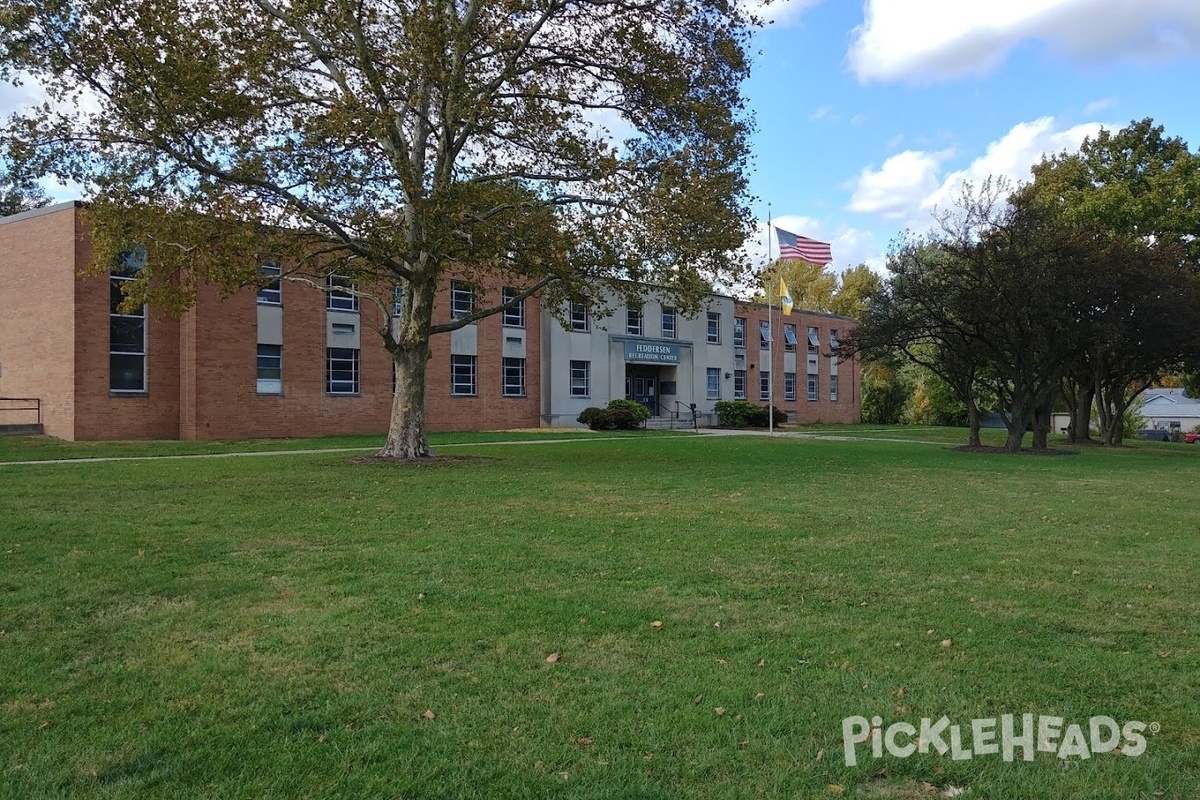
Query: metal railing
[[33, 404]]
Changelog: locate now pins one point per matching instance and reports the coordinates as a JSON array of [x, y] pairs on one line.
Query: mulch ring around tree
[[429, 461], [1024, 451]]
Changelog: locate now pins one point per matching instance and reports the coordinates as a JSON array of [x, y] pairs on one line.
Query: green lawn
[[278, 626]]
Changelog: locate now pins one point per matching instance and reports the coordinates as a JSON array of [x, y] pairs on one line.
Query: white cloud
[[824, 112], [932, 40], [779, 12], [903, 181], [910, 186], [1096, 106]]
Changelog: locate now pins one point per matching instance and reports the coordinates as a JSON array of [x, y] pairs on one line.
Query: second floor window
[[579, 317], [462, 300], [670, 323], [714, 327], [739, 331], [514, 316], [633, 320], [340, 295], [271, 294]]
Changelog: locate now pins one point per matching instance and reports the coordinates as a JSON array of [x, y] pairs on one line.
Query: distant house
[[1170, 409]]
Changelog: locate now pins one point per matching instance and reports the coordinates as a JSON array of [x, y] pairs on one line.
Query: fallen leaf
[[538, 765], [720, 711], [762, 662], [566, 776], [953, 791], [899, 692], [947, 642], [697, 700], [429, 714], [743, 744], [649, 756], [716, 624], [929, 632], [1164, 653], [420, 595], [737, 718], [820, 754], [553, 658], [759, 696], [585, 741], [722, 661], [837, 788], [657, 625]]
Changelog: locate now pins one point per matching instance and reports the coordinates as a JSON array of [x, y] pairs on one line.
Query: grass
[[278, 626]]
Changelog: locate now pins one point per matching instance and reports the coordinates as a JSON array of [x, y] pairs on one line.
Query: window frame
[[274, 289], [789, 386], [833, 388], [269, 385], [713, 383], [635, 320], [670, 331], [580, 378], [764, 385], [462, 299], [513, 317], [814, 340], [739, 331], [350, 355], [579, 318], [713, 327], [464, 374], [517, 364], [764, 334], [789, 337], [338, 300], [118, 276], [739, 378], [814, 387]]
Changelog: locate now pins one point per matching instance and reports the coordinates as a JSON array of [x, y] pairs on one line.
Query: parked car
[[1155, 434], [1192, 437]]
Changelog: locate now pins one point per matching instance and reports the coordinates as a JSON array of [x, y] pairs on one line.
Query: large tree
[[393, 140], [19, 193]]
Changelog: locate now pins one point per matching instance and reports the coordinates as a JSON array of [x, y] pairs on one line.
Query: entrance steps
[[672, 424]]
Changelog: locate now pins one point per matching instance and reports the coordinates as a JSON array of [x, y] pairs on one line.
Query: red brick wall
[[37, 327], [848, 405]]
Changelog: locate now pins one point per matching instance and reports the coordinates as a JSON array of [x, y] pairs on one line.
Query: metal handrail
[[36, 401], [670, 413]]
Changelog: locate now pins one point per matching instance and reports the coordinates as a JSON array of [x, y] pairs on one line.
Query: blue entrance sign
[[651, 353]]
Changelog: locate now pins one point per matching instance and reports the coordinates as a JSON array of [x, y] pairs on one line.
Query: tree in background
[[855, 287], [392, 142], [19, 194], [812, 286]]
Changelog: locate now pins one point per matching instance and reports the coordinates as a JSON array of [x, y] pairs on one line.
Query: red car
[[1192, 438]]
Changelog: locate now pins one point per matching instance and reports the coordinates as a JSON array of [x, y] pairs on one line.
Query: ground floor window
[[343, 370], [714, 383], [789, 386], [739, 384], [270, 369], [514, 377], [462, 376], [581, 378], [833, 388], [764, 386], [812, 388], [126, 344]]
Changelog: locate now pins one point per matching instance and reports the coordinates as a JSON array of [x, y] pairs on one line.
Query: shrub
[[737, 413], [759, 420], [589, 416], [632, 406]]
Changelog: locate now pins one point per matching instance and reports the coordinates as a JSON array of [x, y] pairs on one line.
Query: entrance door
[[641, 386]]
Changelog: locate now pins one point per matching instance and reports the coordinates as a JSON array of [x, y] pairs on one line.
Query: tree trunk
[[410, 351], [1080, 428], [1041, 428], [1015, 422], [973, 424], [406, 437]]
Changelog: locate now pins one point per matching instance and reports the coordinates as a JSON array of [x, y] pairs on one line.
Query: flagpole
[[770, 337]]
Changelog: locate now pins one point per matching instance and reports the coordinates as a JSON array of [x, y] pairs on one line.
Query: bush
[[744, 414], [632, 406], [621, 415], [736, 413]]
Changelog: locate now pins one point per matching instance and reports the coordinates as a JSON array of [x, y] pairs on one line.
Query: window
[[833, 388], [340, 295], [514, 316], [739, 384], [579, 317], [812, 388], [633, 320], [343, 370], [833, 340], [764, 386], [271, 294], [789, 386], [581, 374], [462, 300], [670, 323], [514, 377], [789, 337], [126, 332], [813, 341], [714, 383], [714, 327], [764, 334], [397, 299], [462, 376], [270, 369], [739, 331]]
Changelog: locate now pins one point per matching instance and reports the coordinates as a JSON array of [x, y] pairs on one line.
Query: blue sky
[[872, 112]]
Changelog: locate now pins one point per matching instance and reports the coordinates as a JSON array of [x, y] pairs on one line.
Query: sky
[[872, 113]]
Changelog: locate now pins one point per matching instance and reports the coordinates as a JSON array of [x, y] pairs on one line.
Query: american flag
[[801, 248]]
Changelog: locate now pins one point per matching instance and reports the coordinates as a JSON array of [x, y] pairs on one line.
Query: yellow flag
[[785, 299]]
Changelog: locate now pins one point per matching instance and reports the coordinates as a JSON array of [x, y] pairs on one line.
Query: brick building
[[291, 360]]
